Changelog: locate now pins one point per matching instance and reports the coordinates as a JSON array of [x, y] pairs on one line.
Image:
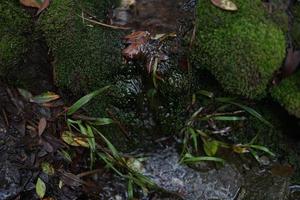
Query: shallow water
[[159, 16]]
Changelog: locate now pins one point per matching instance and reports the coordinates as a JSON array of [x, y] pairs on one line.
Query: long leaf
[[251, 111], [84, 100], [262, 148]]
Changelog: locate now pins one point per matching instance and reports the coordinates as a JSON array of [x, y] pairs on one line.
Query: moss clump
[[287, 93], [14, 23], [241, 49], [86, 58]]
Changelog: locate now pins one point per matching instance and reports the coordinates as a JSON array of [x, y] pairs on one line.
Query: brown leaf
[[292, 61], [44, 5], [42, 125], [225, 5], [136, 41], [31, 3]]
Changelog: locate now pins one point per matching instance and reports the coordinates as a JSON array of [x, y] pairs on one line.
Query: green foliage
[[295, 32], [241, 49], [287, 93], [14, 23]]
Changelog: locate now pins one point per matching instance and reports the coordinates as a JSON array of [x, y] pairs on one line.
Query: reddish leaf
[[225, 4], [136, 42], [42, 126], [31, 3], [44, 5], [292, 61]]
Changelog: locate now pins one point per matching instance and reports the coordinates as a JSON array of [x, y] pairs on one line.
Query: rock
[[227, 182], [241, 49], [163, 168]]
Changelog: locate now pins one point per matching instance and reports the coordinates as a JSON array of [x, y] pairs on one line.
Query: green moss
[[86, 57], [287, 93], [14, 23], [241, 49]]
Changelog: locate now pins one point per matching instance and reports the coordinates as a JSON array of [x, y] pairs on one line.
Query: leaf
[[211, 147], [228, 118], [225, 5], [130, 189], [84, 100], [292, 62], [44, 5], [40, 188], [192, 159], [70, 139], [101, 121], [251, 111], [44, 98], [42, 125], [31, 3], [262, 148], [240, 149], [25, 94], [48, 168], [194, 137]]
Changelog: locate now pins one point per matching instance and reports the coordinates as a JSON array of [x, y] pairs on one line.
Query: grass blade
[[84, 100], [262, 148]]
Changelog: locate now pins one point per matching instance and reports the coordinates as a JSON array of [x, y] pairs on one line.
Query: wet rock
[[163, 168]]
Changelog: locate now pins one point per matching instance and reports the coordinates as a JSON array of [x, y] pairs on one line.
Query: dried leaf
[[42, 125], [225, 5], [48, 168], [40, 188], [136, 41], [44, 5], [44, 98], [69, 138], [31, 3], [240, 149], [292, 62]]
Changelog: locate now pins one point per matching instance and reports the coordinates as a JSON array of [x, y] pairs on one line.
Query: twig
[[103, 24]]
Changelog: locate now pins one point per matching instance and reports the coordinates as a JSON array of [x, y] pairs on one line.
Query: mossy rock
[[14, 24], [287, 93], [241, 49]]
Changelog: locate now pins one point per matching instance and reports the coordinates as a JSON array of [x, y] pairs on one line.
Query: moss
[[287, 93], [86, 57], [14, 24], [241, 49]]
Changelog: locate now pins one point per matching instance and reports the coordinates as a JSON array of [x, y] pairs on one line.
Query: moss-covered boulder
[[14, 24], [287, 93], [241, 49]]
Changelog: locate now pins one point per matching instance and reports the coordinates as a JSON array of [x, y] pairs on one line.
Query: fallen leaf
[[44, 98], [44, 5], [31, 3], [136, 42], [225, 5], [40, 4], [42, 125], [40, 188], [292, 62], [69, 138], [48, 168]]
